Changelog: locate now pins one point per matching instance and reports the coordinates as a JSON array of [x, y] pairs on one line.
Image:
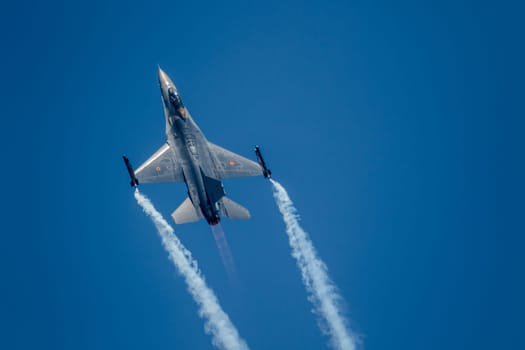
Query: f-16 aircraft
[[188, 157]]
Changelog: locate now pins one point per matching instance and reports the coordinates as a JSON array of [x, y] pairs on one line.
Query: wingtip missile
[[134, 181], [266, 172]]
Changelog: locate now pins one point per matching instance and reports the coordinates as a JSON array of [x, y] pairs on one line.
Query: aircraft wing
[[231, 165], [160, 167]]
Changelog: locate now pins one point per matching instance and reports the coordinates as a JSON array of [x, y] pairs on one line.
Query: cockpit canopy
[[175, 99]]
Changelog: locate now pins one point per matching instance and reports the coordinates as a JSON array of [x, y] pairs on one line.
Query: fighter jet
[[188, 157]]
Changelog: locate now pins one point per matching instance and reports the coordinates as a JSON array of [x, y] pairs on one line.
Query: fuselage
[[190, 148]]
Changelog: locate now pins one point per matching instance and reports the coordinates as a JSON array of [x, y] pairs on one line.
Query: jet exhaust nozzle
[[134, 181], [215, 220], [266, 172]]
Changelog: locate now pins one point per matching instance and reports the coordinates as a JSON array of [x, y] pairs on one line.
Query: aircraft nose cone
[[164, 80], [162, 75]]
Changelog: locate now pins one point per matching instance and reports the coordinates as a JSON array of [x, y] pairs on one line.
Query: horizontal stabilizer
[[186, 213], [232, 210]]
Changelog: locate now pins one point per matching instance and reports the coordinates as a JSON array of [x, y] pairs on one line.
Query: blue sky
[[393, 126]]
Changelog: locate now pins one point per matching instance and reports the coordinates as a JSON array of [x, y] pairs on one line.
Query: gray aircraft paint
[[188, 157]]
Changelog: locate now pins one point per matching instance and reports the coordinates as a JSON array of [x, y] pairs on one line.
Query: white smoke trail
[[224, 334], [322, 291]]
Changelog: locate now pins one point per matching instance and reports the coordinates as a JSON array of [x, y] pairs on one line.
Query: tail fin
[[186, 213], [232, 210]]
